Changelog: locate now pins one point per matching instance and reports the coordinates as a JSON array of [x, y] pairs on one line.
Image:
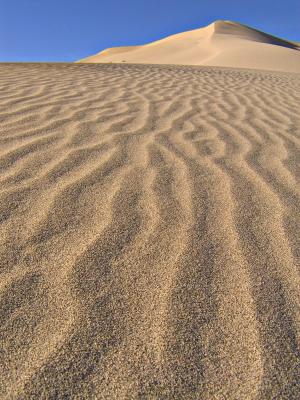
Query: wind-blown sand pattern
[[149, 226]]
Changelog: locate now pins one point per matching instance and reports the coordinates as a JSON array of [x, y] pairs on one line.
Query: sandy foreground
[[149, 225]]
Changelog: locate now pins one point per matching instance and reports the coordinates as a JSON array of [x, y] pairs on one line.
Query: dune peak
[[222, 43]]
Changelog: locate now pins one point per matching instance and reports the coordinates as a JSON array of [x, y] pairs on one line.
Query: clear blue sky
[[67, 30]]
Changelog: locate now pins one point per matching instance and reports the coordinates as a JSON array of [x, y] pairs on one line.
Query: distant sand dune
[[149, 234], [222, 43]]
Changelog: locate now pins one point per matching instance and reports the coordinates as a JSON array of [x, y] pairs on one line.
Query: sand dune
[[222, 43], [149, 232]]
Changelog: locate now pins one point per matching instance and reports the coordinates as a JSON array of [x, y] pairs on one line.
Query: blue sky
[[67, 30]]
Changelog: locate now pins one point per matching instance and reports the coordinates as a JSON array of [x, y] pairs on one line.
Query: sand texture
[[149, 225], [222, 43]]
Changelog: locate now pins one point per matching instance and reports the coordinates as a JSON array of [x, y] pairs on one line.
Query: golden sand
[[149, 225], [222, 44]]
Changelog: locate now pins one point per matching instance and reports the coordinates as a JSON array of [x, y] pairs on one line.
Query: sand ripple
[[149, 232]]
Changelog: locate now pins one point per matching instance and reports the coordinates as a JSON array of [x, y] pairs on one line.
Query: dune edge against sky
[[222, 43]]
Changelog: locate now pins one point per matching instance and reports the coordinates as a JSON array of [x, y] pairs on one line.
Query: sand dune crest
[[222, 43]]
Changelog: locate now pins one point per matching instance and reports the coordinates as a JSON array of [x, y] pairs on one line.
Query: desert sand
[[149, 232], [222, 43]]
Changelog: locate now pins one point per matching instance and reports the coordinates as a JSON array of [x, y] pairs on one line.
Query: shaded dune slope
[[149, 225]]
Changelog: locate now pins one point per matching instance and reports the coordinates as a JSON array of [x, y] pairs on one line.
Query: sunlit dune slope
[[222, 43]]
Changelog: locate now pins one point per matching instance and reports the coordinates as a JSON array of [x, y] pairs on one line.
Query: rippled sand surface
[[149, 218]]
